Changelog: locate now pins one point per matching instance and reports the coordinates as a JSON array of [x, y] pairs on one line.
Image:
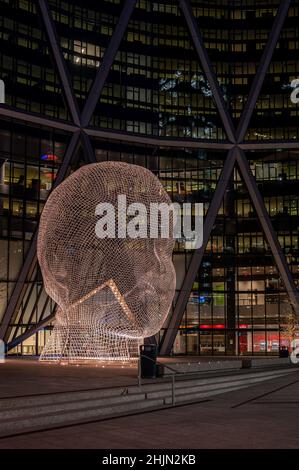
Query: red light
[[49, 175], [215, 327]]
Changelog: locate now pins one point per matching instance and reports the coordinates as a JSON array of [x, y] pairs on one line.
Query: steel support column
[[266, 224], [88, 149], [208, 69], [59, 61], [31, 118], [31, 331], [130, 138], [183, 296], [109, 56], [262, 69]]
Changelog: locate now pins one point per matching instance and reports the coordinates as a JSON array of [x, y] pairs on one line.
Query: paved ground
[[263, 416], [20, 377]]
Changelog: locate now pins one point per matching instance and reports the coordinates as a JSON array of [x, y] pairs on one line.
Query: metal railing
[[174, 373]]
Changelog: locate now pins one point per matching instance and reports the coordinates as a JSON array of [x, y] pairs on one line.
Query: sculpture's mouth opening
[[119, 298], [137, 313], [105, 308]]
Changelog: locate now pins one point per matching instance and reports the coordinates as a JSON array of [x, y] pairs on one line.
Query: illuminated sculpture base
[[82, 344]]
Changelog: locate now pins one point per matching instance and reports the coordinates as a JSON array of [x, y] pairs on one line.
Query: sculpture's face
[[124, 285]]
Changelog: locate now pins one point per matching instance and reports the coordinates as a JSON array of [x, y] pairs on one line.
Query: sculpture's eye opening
[[61, 274], [59, 271], [72, 250], [162, 269]]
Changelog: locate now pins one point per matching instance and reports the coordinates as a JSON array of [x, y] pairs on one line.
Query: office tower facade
[[202, 93]]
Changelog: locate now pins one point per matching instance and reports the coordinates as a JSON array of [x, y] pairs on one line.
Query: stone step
[[115, 393], [52, 420], [223, 386], [62, 397], [210, 380], [198, 396], [48, 420], [76, 411], [21, 411]]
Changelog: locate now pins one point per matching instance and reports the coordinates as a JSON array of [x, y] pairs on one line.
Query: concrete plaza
[[262, 416]]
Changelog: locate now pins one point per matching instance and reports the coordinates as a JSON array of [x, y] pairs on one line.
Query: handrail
[[174, 373], [167, 367], [159, 363]]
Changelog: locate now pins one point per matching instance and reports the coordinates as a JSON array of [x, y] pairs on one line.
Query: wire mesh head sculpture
[[111, 292]]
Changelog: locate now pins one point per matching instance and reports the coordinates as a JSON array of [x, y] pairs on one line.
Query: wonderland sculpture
[[111, 292]]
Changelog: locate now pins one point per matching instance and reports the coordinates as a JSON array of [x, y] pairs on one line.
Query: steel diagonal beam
[[208, 69], [34, 329], [33, 309], [35, 119], [24, 308], [19, 290], [108, 58], [262, 69], [157, 141], [267, 227], [270, 145], [30, 260], [88, 149], [59, 61], [183, 296], [70, 151]]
